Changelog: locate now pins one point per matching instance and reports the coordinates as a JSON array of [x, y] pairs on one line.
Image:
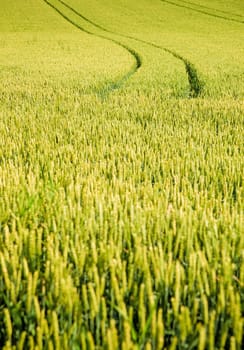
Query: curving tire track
[[212, 8], [118, 83], [201, 11], [196, 85]]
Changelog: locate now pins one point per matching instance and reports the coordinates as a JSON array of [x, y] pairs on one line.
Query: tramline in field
[[121, 174]]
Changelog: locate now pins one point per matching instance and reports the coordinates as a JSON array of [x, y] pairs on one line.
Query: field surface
[[121, 174]]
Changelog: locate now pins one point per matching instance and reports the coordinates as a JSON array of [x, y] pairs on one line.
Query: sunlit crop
[[121, 175]]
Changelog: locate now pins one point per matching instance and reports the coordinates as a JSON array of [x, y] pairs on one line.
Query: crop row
[[196, 85], [198, 8], [121, 230]]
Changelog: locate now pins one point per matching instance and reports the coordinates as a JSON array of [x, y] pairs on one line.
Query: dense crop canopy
[[121, 174]]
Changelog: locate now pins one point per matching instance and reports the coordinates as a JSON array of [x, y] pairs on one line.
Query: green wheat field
[[121, 174]]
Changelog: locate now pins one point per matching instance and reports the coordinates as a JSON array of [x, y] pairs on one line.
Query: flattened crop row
[[202, 11], [138, 62], [196, 85]]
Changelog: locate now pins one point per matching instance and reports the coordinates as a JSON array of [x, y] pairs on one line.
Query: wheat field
[[121, 174]]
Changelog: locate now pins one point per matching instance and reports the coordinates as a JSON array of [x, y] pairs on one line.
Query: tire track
[[118, 83], [196, 85], [202, 11], [211, 8]]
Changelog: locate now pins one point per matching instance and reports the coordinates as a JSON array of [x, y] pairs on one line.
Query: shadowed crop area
[[121, 175]]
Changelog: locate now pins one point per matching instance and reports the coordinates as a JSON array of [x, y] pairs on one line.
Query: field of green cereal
[[121, 174]]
